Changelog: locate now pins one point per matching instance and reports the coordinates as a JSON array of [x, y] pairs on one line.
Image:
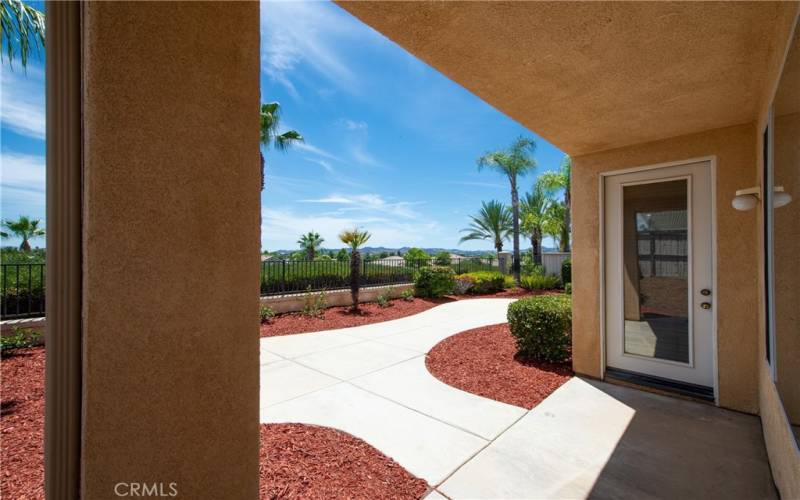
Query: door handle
[[705, 291], [706, 305]]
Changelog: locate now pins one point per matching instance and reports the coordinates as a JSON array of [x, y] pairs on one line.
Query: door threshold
[[661, 385]]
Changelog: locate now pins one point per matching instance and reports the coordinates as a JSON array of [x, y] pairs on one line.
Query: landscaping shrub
[[529, 267], [463, 284], [509, 282], [19, 338], [542, 326], [537, 282], [568, 288], [442, 259], [266, 313], [566, 271], [434, 281], [407, 295], [314, 304], [484, 281], [382, 300]]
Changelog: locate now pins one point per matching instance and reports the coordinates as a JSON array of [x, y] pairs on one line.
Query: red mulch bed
[[297, 461], [22, 424], [306, 461], [483, 361], [371, 312]]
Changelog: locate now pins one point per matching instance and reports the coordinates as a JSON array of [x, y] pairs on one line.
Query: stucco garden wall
[[737, 292]]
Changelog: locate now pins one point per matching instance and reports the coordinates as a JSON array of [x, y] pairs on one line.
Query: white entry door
[[659, 273]]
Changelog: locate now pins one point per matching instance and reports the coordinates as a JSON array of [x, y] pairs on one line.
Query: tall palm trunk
[[536, 246], [515, 212], [355, 277], [25, 246]]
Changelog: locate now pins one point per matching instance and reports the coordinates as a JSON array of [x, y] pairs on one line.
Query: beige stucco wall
[[737, 280], [295, 302], [171, 247]]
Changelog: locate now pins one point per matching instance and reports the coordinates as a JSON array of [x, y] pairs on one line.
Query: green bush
[[20, 338], [266, 313], [568, 288], [483, 281], [407, 295], [529, 267], [383, 301], [442, 259], [509, 282], [566, 271], [542, 326], [314, 304], [463, 284], [537, 282], [434, 281]]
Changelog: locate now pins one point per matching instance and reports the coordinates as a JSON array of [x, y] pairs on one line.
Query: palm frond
[[22, 25]]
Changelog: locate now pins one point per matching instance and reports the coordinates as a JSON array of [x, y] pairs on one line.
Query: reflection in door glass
[[656, 270]]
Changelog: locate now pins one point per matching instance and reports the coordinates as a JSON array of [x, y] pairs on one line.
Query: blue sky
[[390, 144]]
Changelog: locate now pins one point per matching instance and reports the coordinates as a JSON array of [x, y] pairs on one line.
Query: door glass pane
[[656, 270]]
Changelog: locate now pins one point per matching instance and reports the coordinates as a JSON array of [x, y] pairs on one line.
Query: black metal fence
[[23, 293], [22, 290], [294, 276]]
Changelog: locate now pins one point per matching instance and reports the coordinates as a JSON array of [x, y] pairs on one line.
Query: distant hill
[[431, 251]]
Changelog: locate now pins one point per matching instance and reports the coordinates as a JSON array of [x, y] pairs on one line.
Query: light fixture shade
[[744, 202], [780, 199]]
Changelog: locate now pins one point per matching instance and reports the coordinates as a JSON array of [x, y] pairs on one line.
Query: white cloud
[[297, 33], [479, 184], [368, 204], [355, 125], [22, 101], [324, 164], [281, 228], [310, 148], [22, 184]]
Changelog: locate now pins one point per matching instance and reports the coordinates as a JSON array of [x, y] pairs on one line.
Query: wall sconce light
[[746, 199]]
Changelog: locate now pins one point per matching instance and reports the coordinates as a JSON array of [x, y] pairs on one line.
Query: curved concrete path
[[587, 439], [371, 382]]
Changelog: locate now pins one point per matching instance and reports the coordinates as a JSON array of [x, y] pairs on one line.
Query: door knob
[[706, 305]]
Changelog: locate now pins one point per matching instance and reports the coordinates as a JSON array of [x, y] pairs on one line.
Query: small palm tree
[[354, 238], [552, 182], [24, 228], [270, 120], [493, 222], [513, 162], [534, 213], [22, 26], [310, 243]]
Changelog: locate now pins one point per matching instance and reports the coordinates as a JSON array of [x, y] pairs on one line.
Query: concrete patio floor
[[588, 439]]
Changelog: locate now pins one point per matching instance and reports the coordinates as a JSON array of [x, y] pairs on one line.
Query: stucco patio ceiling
[[598, 75]]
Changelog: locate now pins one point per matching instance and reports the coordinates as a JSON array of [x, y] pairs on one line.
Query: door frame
[[712, 160]]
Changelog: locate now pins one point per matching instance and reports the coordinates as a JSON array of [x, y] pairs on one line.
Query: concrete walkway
[[588, 439]]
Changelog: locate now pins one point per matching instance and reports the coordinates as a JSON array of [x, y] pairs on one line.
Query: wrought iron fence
[[22, 290], [295, 276]]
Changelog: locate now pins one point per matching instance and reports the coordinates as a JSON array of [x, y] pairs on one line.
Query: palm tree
[[20, 25], [24, 228], [493, 222], [270, 120], [512, 162], [534, 213], [354, 239], [557, 181], [310, 243], [555, 224]]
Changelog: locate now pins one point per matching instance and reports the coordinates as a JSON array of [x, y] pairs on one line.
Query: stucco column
[[171, 248]]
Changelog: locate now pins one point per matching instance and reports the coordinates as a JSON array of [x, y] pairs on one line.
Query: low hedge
[[536, 282], [434, 281], [482, 282], [542, 327]]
